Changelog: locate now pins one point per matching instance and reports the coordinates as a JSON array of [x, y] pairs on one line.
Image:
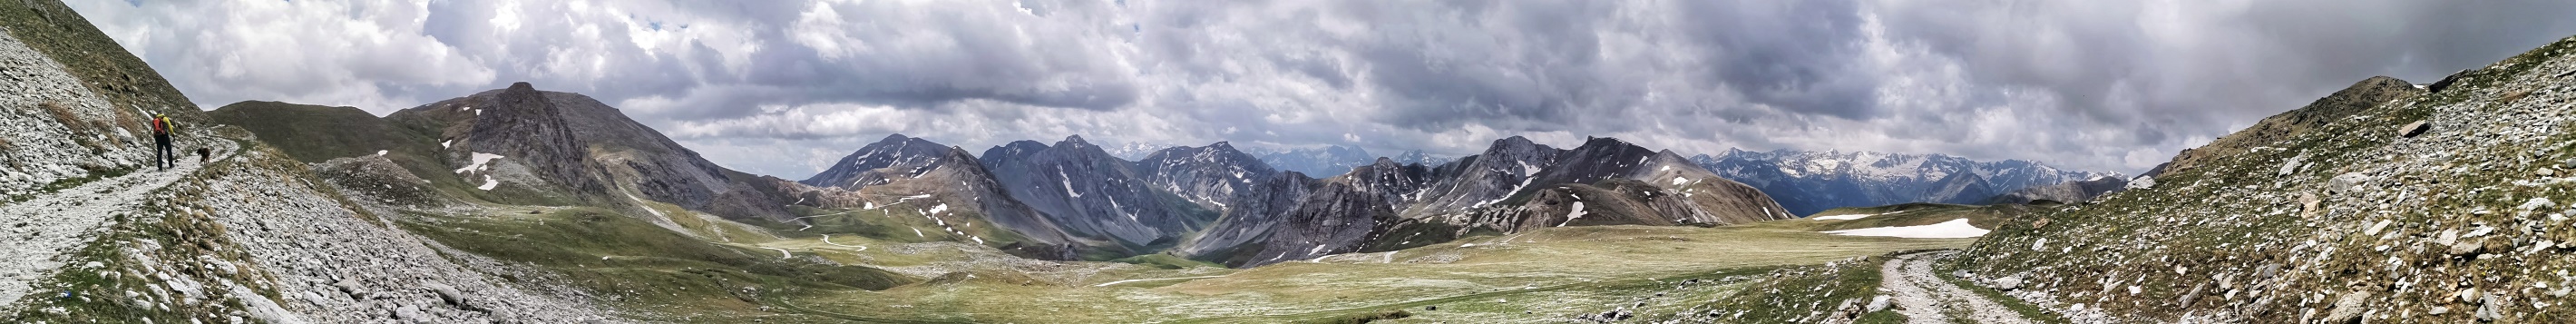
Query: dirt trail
[[1925, 298], [35, 233]]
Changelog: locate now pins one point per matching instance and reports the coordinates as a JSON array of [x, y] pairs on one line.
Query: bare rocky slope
[[101, 236], [906, 167], [2384, 202]]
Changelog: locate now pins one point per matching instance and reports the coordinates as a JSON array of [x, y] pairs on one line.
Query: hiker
[[161, 140]]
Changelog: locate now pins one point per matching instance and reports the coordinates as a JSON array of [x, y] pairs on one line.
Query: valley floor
[[1549, 275]]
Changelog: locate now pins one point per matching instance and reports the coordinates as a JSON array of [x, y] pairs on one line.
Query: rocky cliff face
[[1253, 217], [2446, 206], [1211, 176], [1090, 194], [1483, 179]]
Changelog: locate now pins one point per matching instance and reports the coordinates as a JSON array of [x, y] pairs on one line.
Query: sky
[[785, 88]]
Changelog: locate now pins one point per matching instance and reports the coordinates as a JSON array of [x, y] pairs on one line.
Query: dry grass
[[64, 115]]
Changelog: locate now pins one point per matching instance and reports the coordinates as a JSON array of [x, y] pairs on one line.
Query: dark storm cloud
[[780, 87]]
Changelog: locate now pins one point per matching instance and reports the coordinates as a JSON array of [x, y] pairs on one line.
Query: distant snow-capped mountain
[[1417, 157], [1320, 162], [1807, 182], [1135, 151]]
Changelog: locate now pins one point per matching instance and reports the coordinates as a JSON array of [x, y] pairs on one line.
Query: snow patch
[[1680, 180], [1571, 215], [1068, 183], [941, 208], [488, 183], [1845, 217], [382, 152], [917, 232], [445, 144], [1956, 228], [481, 162]]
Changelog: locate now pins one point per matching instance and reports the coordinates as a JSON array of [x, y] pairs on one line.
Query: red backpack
[[161, 125]]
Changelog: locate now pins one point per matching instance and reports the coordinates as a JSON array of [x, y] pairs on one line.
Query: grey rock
[[2466, 247], [2349, 182], [2413, 129], [2348, 308], [1880, 303], [2487, 308], [2008, 283]]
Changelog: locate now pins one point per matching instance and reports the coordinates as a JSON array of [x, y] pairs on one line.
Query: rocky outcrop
[[1258, 214], [1335, 219]]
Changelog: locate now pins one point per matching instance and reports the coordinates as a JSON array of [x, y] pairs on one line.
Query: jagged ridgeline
[[1217, 204], [2384, 202]]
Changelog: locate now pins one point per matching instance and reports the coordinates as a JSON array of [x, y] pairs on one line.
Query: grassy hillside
[[645, 267]]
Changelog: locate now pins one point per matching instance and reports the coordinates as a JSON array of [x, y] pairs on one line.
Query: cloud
[[780, 87]]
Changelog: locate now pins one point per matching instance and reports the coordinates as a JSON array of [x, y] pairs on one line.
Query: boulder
[[1880, 303], [2348, 309], [2466, 247], [2347, 183], [2008, 283]]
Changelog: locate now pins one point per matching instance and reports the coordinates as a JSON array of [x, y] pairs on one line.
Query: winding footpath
[[1924, 298], [35, 233]]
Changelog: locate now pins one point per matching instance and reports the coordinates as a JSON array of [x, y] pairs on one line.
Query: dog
[[203, 154]]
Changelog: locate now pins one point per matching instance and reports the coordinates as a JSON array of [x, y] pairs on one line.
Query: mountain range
[[1807, 182], [1221, 204]]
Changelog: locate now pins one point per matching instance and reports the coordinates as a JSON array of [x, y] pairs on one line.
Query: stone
[[1880, 303], [2537, 203], [2008, 283], [2438, 310], [2348, 308], [2487, 309], [2417, 128], [2466, 247], [2348, 182], [2376, 227], [2545, 172], [2308, 205], [445, 293]]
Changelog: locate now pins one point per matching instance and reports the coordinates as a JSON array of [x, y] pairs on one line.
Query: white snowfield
[[1845, 217], [1956, 228]]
